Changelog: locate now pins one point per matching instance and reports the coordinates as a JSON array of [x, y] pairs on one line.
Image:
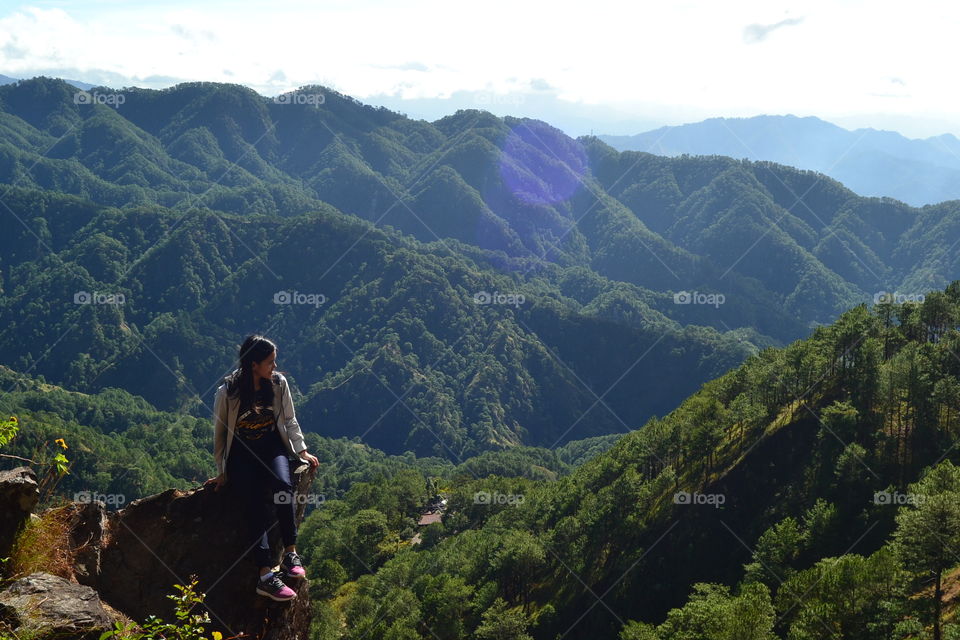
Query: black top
[[255, 422]]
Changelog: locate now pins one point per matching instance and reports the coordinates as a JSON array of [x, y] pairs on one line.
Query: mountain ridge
[[217, 200], [871, 162]]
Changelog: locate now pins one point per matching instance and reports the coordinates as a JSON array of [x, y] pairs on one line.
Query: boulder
[[18, 496], [52, 607], [134, 556], [126, 562], [88, 526]]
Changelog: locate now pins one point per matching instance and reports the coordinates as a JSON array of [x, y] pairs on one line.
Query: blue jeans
[[260, 471]]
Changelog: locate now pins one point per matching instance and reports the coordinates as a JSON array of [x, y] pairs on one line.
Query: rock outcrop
[[131, 559], [50, 606], [18, 496]]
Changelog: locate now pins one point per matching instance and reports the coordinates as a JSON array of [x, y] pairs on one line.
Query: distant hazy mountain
[[870, 162]]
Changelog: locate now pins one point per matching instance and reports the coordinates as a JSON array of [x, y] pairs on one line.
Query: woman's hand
[[309, 457], [217, 482]]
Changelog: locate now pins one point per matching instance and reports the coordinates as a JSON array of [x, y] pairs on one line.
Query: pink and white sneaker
[[274, 589], [292, 566]]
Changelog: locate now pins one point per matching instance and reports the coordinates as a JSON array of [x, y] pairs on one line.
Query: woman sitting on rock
[[255, 430]]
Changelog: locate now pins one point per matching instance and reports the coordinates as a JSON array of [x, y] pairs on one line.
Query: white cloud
[[754, 33], [826, 58]]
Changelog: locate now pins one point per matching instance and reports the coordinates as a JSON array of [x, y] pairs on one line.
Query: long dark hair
[[255, 348]]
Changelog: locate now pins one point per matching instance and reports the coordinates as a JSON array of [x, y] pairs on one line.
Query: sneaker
[[274, 589], [292, 566]]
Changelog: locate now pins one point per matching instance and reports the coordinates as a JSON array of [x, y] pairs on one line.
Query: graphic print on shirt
[[253, 424]]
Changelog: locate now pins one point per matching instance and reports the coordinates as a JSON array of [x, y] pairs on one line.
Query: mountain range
[[475, 282], [867, 161]]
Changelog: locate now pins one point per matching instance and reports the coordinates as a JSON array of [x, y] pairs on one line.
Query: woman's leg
[[250, 476], [282, 492]]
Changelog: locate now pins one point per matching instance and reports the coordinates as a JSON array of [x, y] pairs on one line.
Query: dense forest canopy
[[448, 288]]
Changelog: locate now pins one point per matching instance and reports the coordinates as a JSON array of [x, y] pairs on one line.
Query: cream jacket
[[225, 409]]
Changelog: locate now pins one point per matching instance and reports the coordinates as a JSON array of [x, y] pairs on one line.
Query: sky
[[606, 66]]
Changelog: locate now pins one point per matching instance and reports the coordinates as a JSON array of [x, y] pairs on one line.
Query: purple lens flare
[[541, 165]]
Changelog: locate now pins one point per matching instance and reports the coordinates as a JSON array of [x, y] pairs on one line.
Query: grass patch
[[43, 545]]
